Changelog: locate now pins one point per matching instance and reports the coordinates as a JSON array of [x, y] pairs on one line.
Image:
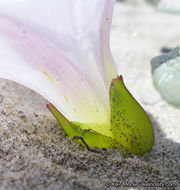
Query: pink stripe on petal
[[45, 57]]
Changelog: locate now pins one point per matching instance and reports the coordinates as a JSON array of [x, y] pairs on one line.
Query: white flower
[[60, 49]]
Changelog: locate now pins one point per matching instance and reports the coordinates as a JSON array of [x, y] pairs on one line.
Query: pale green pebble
[[166, 75]]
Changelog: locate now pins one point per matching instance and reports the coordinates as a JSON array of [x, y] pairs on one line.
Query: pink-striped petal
[[61, 50]]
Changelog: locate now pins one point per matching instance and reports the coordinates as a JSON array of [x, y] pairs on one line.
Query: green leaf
[[129, 127], [129, 122], [92, 138]]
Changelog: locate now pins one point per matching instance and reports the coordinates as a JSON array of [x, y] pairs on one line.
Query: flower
[[60, 49]]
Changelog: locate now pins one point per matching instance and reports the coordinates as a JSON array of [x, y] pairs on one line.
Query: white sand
[[36, 154]]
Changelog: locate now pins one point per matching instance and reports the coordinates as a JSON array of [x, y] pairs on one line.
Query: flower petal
[[59, 49], [80, 29], [28, 59]]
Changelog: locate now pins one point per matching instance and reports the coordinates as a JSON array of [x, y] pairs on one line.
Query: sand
[[36, 154]]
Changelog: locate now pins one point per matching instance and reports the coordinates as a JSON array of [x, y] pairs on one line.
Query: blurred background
[[142, 29]]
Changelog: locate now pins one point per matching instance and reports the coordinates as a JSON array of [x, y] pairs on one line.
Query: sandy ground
[[36, 154]]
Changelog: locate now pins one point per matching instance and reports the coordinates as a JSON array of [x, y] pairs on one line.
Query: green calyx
[[130, 123], [129, 128]]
